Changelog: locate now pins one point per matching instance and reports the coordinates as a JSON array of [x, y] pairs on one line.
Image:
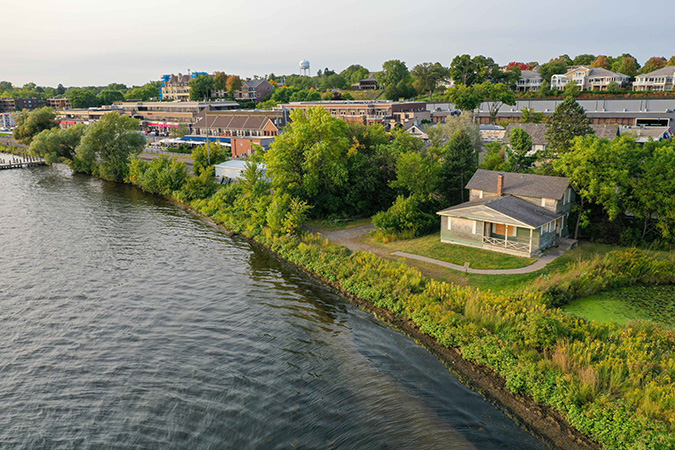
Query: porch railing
[[513, 245]]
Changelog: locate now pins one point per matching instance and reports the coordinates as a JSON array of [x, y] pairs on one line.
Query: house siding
[[462, 237]]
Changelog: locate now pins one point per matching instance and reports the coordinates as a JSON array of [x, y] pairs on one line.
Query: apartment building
[[254, 90], [589, 79], [658, 80], [59, 103]]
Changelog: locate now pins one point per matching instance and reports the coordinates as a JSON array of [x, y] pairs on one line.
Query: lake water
[[128, 322]]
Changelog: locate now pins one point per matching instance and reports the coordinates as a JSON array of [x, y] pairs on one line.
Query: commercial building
[[368, 112], [177, 87], [601, 111]]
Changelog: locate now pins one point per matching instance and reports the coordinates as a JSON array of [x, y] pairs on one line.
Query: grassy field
[[365, 95], [431, 247], [342, 224], [655, 303]]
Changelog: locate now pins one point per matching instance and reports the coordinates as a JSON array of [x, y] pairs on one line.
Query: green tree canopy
[[30, 124], [83, 98], [427, 76], [56, 144], [519, 151], [567, 122], [108, 97], [201, 87], [108, 145], [553, 67]]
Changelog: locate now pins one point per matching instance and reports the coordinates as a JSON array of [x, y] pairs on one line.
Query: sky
[[97, 42]]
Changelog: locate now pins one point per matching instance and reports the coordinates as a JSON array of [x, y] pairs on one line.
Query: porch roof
[[508, 210]]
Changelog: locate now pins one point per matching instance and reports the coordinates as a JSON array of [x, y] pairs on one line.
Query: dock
[[19, 162]]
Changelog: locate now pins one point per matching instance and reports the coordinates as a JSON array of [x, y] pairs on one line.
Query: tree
[[427, 76], [519, 151], [6, 86], [598, 171], [232, 84], [496, 95], [107, 146], [530, 116], [30, 124], [108, 97], [567, 122], [601, 62], [57, 144], [494, 158], [652, 187], [203, 158], [459, 164], [584, 60], [626, 64], [201, 87], [309, 160], [654, 63], [354, 73], [440, 134], [572, 89], [117, 87], [553, 67], [220, 81], [417, 175], [396, 80], [466, 98], [60, 90], [82, 98], [613, 87], [671, 61], [144, 93]]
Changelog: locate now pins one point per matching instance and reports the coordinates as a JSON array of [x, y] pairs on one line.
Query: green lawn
[[432, 247], [655, 303]]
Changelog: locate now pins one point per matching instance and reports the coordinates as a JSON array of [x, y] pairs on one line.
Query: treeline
[[83, 97]]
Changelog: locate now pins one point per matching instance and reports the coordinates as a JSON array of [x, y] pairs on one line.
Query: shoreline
[[540, 420]]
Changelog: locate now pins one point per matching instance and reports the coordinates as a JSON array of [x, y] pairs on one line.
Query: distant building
[[177, 87], [59, 103], [7, 105], [491, 133], [589, 79], [254, 90], [529, 81], [658, 80], [368, 112], [645, 134], [6, 120], [366, 84]]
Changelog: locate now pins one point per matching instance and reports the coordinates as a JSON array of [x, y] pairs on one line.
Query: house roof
[[254, 83], [596, 72], [525, 184], [667, 71], [235, 122], [506, 209], [529, 74], [606, 131], [537, 131]]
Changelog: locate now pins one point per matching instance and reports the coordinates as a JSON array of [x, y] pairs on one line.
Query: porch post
[[530, 241], [506, 236]]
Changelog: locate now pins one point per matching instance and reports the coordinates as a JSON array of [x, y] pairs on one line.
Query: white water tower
[[304, 67]]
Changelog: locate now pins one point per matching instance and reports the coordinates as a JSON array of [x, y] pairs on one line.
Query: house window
[[500, 228]]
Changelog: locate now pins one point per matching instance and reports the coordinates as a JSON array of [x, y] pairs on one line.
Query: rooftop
[[525, 184]]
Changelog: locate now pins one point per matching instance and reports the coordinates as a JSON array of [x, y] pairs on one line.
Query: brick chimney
[[500, 184]]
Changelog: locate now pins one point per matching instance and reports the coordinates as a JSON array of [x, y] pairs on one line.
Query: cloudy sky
[[96, 42]]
